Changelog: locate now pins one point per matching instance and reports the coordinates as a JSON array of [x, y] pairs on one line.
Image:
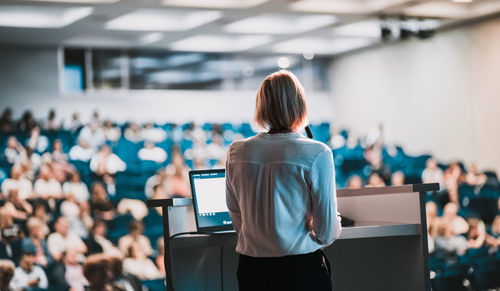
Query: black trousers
[[308, 272]]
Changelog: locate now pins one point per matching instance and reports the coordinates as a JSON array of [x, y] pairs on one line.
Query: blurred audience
[[64, 240], [29, 276], [135, 235], [7, 269], [137, 263]]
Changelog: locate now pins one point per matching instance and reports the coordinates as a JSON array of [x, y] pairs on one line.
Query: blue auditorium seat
[[153, 285]]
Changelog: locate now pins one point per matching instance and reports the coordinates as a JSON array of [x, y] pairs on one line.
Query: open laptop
[[208, 188]]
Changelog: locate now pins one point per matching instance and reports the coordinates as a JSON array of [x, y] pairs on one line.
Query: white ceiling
[[304, 26]]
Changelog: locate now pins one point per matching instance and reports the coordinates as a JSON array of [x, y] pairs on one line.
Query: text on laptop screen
[[210, 195]]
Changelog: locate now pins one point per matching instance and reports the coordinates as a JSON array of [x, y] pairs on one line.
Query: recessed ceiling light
[[321, 46], [162, 20], [368, 28], [279, 23], [41, 16], [343, 6], [218, 4], [151, 38], [463, 1], [220, 43]]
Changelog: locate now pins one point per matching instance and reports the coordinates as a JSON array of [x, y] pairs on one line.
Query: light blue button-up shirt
[[275, 183]]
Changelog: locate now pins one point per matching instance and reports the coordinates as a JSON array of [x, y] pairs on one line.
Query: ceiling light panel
[[41, 16], [220, 43], [215, 4], [367, 28], [453, 9], [343, 6], [321, 46], [280, 23], [162, 20]]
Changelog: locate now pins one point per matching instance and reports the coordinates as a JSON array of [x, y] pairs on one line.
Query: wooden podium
[[385, 250]]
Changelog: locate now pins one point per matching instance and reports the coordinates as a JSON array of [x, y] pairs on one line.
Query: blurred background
[[106, 103]]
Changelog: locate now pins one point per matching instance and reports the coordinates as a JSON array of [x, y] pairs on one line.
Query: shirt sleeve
[[232, 200], [324, 198]]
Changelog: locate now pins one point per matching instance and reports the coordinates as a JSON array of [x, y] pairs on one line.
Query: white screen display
[[211, 195]]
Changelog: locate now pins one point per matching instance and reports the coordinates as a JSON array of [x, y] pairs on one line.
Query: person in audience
[[46, 186], [6, 123], [447, 243], [354, 182], [18, 208], [133, 132], [158, 180], [36, 142], [73, 271], [476, 235], [78, 216], [457, 224], [14, 152], [73, 124], [138, 264], [7, 269], [64, 239], [58, 155], [135, 235], [135, 207], [398, 179], [493, 238], [431, 217], [150, 152], [36, 237], [93, 134], [76, 187], [375, 180], [216, 150], [17, 182], [473, 177], [177, 183], [40, 212], [28, 275], [81, 151], [51, 123], [432, 173], [153, 134], [105, 162], [10, 234], [111, 132], [127, 281], [96, 270], [100, 204], [32, 163], [27, 122], [97, 241], [452, 178], [160, 259]]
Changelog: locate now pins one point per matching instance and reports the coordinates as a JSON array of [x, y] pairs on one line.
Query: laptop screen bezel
[[195, 202]]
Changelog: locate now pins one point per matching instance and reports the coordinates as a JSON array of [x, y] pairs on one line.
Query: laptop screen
[[209, 196]]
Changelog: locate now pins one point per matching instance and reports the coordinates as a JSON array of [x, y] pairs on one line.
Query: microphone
[[308, 132]]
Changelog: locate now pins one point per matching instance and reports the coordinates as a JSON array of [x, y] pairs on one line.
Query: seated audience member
[[97, 241], [432, 173], [36, 142], [10, 242], [133, 132], [58, 155], [153, 134], [7, 269], [112, 133], [150, 152], [46, 186], [452, 178], [398, 179], [28, 275], [448, 244], [375, 180], [6, 123], [157, 180], [127, 281], [76, 187], [105, 162], [51, 123], [457, 224], [18, 182], [135, 207], [81, 151], [73, 272], [100, 204], [73, 124], [216, 150], [137, 263], [31, 164], [18, 208], [36, 238], [40, 212], [135, 235], [14, 153], [27, 121], [64, 240], [78, 215], [431, 217], [160, 259], [476, 234], [93, 134], [177, 183], [473, 177], [354, 182], [493, 238], [96, 270]]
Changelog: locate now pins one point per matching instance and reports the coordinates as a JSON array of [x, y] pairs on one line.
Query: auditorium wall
[[440, 95]]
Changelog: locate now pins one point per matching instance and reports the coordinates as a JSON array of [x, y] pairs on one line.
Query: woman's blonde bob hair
[[281, 103]]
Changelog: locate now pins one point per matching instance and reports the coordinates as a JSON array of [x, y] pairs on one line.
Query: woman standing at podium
[[280, 191]]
